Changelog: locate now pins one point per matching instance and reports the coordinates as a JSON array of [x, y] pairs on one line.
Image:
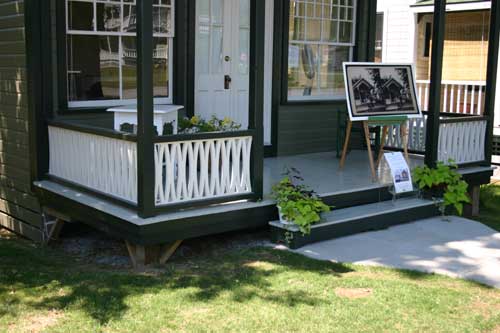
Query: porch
[[350, 187]]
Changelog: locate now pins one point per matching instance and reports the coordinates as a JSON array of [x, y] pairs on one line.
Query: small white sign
[[401, 175]]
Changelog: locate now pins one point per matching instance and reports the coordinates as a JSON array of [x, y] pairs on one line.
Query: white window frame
[[320, 43], [117, 102]]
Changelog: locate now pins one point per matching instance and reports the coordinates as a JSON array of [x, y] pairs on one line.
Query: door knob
[[227, 82]]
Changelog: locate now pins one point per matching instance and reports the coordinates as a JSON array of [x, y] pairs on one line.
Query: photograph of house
[[381, 90]]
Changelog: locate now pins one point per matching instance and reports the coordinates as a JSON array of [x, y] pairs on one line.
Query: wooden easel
[[376, 121]]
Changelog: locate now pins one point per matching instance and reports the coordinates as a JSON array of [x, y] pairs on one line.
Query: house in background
[[404, 34], [70, 69]]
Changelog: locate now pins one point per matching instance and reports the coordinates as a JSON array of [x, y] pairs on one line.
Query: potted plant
[[297, 204], [443, 182]]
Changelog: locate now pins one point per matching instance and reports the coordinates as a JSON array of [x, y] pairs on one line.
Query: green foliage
[[447, 178], [196, 124], [298, 203]]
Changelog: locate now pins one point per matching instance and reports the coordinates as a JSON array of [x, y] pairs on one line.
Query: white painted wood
[[202, 169], [456, 97], [462, 142], [222, 48], [162, 114], [399, 30], [99, 163]]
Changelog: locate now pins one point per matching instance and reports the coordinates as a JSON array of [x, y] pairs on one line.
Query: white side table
[[163, 114]]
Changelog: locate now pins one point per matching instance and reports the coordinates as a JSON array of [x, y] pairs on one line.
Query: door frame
[[186, 55]]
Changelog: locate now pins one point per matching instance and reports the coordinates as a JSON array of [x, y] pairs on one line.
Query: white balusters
[[462, 141], [458, 96], [202, 169], [104, 164]]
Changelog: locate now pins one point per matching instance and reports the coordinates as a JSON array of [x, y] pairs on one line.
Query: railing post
[[256, 100], [145, 130], [432, 136], [491, 77]]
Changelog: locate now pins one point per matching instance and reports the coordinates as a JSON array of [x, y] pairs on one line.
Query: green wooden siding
[[19, 208]]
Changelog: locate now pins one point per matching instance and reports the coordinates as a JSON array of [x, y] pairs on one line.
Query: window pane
[[160, 67], [331, 72], [302, 69], [129, 67], [162, 19], [93, 68], [108, 17], [316, 71], [129, 18], [80, 16]]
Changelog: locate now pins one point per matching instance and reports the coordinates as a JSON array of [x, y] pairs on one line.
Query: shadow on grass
[[34, 279]]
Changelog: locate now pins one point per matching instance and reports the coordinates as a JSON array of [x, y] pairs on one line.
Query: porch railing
[[462, 97], [105, 164], [193, 168], [461, 138]]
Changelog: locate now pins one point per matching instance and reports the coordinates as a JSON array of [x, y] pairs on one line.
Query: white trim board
[[456, 7]]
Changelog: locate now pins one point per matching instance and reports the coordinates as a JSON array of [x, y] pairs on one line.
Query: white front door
[[222, 59]]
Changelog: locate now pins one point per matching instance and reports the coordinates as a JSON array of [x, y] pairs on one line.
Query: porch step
[[353, 220]]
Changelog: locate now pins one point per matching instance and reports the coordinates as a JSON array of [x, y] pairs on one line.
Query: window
[[321, 38], [379, 37], [102, 52]]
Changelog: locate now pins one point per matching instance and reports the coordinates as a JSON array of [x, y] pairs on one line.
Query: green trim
[[491, 77], [256, 93], [387, 120], [438, 35], [36, 100], [93, 130], [145, 127], [62, 77]]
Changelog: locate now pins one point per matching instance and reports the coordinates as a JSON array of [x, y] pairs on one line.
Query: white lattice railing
[[462, 140], [100, 163], [464, 97], [202, 169]]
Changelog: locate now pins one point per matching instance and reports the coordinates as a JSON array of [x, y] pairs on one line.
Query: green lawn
[[239, 290], [490, 206]]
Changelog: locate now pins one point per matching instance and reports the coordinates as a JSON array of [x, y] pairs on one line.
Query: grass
[[490, 206], [243, 290]]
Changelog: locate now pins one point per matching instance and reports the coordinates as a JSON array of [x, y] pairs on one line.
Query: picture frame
[[380, 90]]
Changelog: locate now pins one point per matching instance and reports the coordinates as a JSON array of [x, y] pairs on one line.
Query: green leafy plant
[[443, 181], [196, 124], [298, 203]]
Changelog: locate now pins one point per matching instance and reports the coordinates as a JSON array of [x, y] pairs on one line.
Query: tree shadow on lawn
[[37, 279]]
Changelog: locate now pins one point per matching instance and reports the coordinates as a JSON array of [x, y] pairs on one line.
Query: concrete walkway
[[458, 248]]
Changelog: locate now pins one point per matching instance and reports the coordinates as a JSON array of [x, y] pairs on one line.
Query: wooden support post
[[404, 137], [141, 255], [369, 149], [346, 144], [168, 251], [472, 210], [55, 230], [385, 130]]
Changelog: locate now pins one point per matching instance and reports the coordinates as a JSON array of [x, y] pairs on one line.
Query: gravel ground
[[87, 245]]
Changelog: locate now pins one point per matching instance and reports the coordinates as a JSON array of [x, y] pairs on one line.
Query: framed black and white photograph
[[375, 89]]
